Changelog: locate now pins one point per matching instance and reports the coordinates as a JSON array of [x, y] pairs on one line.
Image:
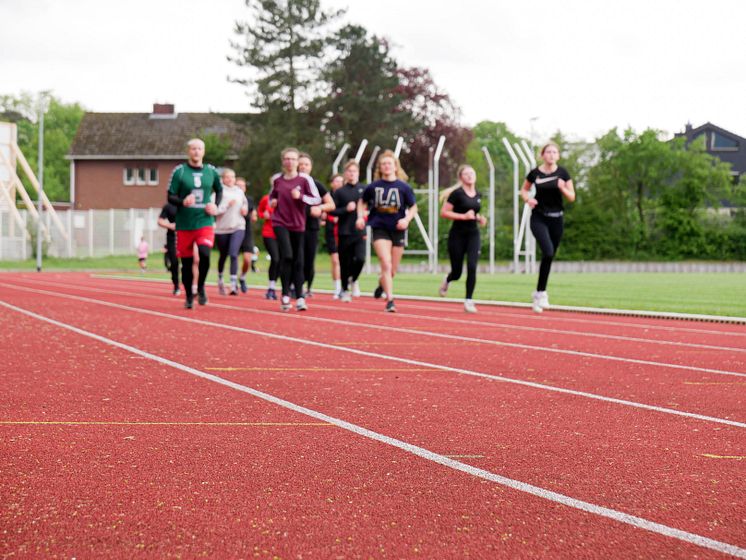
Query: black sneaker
[[188, 304], [390, 307], [378, 292], [234, 292], [177, 292], [271, 294], [202, 298], [244, 287]]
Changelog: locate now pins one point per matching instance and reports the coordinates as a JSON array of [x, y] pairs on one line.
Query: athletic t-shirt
[[342, 197], [201, 182], [387, 202], [267, 230], [462, 203], [290, 212], [312, 224], [252, 207], [168, 212], [548, 195]]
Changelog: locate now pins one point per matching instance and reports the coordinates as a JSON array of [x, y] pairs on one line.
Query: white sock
[[272, 285], [234, 281], [338, 285]]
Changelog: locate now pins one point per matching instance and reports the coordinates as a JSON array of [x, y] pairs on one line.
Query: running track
[[131, 427]]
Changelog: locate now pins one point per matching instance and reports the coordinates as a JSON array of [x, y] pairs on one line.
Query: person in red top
[[270, 243]]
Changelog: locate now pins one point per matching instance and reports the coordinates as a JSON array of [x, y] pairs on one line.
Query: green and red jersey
[[199, 181]]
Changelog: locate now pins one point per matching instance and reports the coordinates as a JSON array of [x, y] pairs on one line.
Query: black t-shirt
[[168, 212], [312, 224], [462, 203], [252, 207], [342, 197], [548, 195]]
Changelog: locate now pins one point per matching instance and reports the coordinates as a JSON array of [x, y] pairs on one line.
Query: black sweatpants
[[186, 271], [351, 258], [270, 243], [311, 244], [174, 262], [464, 244], [290, 244], [548, 233]]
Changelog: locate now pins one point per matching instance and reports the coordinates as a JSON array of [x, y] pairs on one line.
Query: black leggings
[[548, 234], [174, 262], [270, 243], [204, 267], [311, 244], [229, 244], [351, 258], [290, 244], [468, 244]]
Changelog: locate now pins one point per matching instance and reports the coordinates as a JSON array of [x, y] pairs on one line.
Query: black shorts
[[331, 242], [247, 246], [396, 236]]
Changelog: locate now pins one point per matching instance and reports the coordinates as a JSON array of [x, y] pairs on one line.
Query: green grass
[[709, 294]]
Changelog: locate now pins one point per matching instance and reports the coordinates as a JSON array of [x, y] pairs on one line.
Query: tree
[[284, 43], [60, 125]]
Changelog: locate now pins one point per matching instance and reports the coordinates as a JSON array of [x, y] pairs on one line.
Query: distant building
[[124, 160], [721, 143]]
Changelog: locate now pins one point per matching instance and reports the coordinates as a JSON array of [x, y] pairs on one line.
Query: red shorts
[[186, 238]]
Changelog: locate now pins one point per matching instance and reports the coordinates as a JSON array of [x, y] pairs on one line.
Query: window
[[722, 142], [140, 176]]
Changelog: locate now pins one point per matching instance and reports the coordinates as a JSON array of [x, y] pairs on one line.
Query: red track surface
[[107, 453]]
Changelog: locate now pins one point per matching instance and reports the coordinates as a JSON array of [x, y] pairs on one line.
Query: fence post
[[111, 231], [90, 233], [70, 233], [492, 208]]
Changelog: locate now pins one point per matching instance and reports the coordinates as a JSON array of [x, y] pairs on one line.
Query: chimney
[[163, 111], [688, 128]]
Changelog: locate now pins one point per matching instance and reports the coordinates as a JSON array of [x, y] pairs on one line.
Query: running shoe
[[271, 294], [292, 292], [355, 289], [390, 307], [378, 292], [346, 297], [469, 306], [443, 290], [202, 298], [544, 300], [244, 287], [234, 292], [300, 305], [308, 294], [285, 305], [221, 288], [337, 294], [177, 292], [536, 304], [188, 304]]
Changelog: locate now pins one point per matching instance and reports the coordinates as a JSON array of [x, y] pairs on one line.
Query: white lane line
[[393, 358], [459, 338], [415, 450]]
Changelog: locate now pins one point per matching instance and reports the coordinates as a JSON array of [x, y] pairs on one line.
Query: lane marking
[[464, 456], [714, 383], [73, 423], [736, 457], [312, 369], [461, 339], [417, 451], [396, 359], [496, 325]]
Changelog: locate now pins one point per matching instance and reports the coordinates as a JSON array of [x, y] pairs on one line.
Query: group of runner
[[205, 208]]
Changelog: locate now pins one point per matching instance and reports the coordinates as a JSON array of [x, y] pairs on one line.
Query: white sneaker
[[443, 290], [221, 287], [469, 306], [300, 304], [544, 300], [536, 305], [346, 297], [336, 294], [355, 289], [285, 305]]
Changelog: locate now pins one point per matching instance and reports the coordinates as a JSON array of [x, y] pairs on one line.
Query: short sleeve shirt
[[387, 202], [168, 212], [462, 203], [548, 195], [201, 182]]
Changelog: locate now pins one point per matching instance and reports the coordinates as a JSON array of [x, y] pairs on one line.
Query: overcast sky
[[578, 65]]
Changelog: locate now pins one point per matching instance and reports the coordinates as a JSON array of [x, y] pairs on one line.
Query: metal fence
[[93, 233]]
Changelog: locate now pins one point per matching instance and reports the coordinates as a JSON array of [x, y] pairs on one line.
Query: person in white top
[[230, 228]]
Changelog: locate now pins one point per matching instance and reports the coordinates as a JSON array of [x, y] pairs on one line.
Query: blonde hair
[[287, 150], [351, 163], [447, 192], [400, 174]]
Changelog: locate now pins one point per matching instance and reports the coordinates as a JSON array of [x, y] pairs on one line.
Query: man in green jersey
[[190, 190]]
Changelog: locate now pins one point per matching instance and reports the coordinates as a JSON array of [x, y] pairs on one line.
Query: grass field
[[710, 293]]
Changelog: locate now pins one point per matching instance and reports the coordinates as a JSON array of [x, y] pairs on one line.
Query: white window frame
[[151, 171], [126, 181], [141, 180]]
